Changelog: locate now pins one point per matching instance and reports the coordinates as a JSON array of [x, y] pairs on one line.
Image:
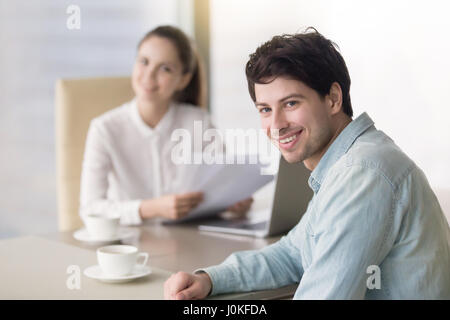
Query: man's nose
[[279, 121]]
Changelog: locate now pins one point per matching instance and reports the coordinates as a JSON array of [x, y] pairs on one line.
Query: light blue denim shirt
[[372, 206]]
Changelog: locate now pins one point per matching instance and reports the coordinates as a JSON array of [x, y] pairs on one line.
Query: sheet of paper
[[222, 185]]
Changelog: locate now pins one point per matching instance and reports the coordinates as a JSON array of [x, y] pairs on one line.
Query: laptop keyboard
[[253, 226], [246, 225]]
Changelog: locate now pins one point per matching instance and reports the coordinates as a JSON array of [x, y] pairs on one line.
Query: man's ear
[[335, 98], [185, 79]]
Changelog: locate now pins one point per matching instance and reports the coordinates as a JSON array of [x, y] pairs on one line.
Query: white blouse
[[126, 161]]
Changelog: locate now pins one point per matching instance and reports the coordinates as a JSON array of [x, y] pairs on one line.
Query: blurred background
[[396, 51]]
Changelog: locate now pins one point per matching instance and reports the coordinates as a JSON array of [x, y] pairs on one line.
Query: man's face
[[296, 119]]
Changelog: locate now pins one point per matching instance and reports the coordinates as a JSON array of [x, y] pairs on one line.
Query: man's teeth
[[289, 139]]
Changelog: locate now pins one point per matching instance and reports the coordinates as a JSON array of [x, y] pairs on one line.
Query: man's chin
[[291, 157]]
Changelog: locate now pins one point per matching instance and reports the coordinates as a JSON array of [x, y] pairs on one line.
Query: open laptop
[[292, 195]]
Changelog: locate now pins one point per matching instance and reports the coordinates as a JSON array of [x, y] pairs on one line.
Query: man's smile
[[287, 141]]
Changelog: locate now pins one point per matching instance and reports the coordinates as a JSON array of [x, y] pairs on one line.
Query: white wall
[[397, 53]]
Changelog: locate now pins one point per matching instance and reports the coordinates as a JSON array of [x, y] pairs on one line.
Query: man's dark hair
[[308, 57]]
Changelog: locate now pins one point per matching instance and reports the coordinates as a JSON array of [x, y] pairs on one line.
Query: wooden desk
[[36, 267]]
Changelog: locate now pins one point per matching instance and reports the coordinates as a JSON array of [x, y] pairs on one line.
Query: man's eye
[[166, 68], [143, 61], [291, 103], [264, 110]]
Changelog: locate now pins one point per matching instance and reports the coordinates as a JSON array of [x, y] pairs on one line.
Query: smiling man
[[373, 210]]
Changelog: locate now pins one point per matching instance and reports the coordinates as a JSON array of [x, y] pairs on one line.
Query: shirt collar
[[338, 148], [147, 131]]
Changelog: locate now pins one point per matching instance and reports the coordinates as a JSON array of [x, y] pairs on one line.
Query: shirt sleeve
[[274, 266], [351, 231], [94, 181]]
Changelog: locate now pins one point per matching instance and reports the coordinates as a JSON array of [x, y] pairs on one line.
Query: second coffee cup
[[101, 226]]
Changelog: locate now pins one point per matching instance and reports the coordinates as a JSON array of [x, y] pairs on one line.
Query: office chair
[[77, 102]]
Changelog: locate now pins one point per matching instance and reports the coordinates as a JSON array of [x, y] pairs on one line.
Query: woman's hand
[[173, 206], [241, 207]]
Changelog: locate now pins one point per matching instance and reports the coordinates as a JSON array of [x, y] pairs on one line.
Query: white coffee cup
[[119, 260], [100, 226]]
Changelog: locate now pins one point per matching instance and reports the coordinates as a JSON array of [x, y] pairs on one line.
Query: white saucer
[[95, 272], [123, 233]]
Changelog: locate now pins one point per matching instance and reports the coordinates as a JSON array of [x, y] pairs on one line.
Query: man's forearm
[[268, 268]]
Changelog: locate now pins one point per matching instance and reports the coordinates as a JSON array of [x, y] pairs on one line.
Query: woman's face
[[158, 72]]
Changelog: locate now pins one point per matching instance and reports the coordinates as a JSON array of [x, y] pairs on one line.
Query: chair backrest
[[78, 101]]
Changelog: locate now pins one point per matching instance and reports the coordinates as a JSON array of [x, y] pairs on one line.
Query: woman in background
[[127, 166]]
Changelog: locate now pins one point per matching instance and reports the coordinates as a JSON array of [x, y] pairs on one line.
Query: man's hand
[[186, 286]]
